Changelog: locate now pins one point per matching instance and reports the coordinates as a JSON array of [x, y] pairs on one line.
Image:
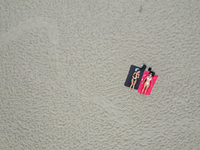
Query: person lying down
[[135, 76]]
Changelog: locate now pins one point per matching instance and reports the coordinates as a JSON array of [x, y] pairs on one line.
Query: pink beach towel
[[142, 85]]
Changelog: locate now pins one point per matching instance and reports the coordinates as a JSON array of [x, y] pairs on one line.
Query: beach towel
[[142, 85], [129, 76]]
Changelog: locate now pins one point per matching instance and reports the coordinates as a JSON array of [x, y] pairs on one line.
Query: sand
[[64, 64]]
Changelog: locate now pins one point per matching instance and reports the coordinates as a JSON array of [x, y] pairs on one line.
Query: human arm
[[144, 80]]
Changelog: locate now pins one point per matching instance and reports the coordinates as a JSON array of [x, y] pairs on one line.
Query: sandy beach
[[64, 64]]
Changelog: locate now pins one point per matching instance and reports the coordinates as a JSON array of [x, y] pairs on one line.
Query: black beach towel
[[129, 77]]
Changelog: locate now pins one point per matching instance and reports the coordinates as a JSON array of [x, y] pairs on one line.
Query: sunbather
[[135, 76]]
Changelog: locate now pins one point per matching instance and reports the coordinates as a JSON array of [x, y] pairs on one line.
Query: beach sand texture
[[64, 64]]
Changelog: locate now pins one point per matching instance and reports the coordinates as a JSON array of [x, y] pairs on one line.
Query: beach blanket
[[142, 85], [129, 76]]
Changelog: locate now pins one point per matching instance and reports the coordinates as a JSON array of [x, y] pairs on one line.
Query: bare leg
[[146, 89], [143, 88], [134, 83], [131, 84], [130, 87]]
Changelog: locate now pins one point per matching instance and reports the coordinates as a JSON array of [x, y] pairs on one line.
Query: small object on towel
[[143, 67], [136, 69], [149, 69]]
